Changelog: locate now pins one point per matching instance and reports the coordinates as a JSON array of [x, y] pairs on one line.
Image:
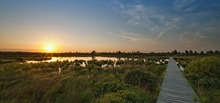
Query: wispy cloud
[[154, 20], [134, 37], [166, 30], [136, 14], [190, 37], [131, 36], [160, 34], [183, 5], [186, 20], [135, 41]]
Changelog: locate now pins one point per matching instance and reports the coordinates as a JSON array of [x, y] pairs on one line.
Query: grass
[[41, 82], [203, 74]]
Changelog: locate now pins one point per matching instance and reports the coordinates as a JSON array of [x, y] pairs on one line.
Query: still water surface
[[54, 59]]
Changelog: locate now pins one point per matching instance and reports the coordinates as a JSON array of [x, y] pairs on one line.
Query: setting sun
[[49, 48]]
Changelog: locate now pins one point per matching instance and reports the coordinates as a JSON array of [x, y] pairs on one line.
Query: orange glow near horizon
[[50, 47]]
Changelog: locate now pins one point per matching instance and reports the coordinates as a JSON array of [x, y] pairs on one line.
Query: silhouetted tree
[[151, 52], [210, 52], [175, 52], [186, 52], [202, 52], [195, 52], [216, 52], [190, 52], [138, 52], [119, 52], [93, 52]]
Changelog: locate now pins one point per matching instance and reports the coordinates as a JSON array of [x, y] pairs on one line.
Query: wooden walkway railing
[[175, 88]]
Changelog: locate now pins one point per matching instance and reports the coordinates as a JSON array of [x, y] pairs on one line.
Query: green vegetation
[[135, 81], [204, 75], [135, 78]]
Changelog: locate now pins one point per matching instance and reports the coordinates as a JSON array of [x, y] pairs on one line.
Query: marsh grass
[[204, 75], [41, 82]]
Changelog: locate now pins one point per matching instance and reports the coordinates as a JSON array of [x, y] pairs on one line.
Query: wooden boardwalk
[[175, 88]]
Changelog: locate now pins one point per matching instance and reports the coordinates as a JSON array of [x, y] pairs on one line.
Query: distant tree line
[[21, 56], [190, 52]]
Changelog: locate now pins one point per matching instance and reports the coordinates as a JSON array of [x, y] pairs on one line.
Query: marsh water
[[115, 59], [54, 59]]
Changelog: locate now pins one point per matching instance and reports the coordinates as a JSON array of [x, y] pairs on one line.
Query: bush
[[204, 74], [138, 78], [208, 66], [204, 71], [110, 98], [105, 87], [208, 83], [134, 77], [132, 95]]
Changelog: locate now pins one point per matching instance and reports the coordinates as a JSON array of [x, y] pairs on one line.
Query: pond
[[54, 59], [115, 59]]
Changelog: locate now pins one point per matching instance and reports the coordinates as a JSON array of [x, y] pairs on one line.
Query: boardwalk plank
[[175, 88]]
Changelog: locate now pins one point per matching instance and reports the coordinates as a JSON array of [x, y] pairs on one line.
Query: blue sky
[[110, 25]]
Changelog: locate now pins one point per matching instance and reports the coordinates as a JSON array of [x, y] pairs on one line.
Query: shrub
[[110, 98], [204, 71], [108, 87], [132, 95], [204, 74], [134, 77], [119, 62], [208, 66], [139, 78]]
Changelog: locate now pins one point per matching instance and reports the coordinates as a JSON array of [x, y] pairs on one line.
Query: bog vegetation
[[131, 80], [135, 81], [203, 72]]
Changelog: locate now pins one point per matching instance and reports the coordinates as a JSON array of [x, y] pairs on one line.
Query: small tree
[[190, 52], [175, 52], [186, 52], [216, 52], [93, 52], [210, 52], [202, 52], [195, 52]]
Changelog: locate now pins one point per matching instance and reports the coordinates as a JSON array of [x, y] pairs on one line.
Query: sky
[[110, 25]]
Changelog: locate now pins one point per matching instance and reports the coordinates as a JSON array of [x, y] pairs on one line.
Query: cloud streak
[[190, 37], [151, 18], [185, 21], [133, 37], [183, 5]]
